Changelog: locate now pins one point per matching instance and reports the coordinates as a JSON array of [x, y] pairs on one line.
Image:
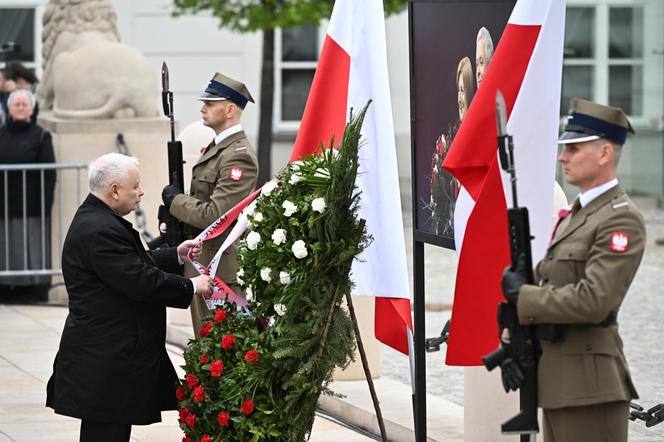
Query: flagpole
[[411, 364], [419, 399]]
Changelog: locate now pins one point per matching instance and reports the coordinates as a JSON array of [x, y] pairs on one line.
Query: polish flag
[[353, 69], [527, 69]]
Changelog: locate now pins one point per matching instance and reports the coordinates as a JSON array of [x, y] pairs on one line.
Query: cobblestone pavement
[[641, 323]]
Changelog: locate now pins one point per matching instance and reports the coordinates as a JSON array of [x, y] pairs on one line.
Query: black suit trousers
[[104, 432]]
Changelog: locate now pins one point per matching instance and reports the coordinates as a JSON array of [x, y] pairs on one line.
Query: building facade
[[614, 53]]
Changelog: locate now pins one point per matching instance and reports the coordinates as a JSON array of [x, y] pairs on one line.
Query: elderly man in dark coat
[[112, 370]]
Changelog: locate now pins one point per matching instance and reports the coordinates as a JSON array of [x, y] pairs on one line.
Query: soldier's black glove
[[168, 194], [514, 279], [511, 375]]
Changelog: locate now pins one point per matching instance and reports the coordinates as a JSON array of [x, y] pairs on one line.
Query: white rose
[[318, 205], [269, 187], [299, 249], [258, 217], [295, 178], [284, 278], [265, 274], [279, 236], [253, 239], [289, 208], [280, 309], [240, 273], [240, 281], [249, 295]]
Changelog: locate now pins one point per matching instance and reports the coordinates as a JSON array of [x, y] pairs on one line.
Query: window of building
[[614, 54], [606, 58], [17, 25], [296, 58]]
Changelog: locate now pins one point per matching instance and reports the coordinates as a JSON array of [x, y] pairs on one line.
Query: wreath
[[255, 373]]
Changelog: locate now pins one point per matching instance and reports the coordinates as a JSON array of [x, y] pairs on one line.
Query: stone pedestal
[[364, 310], [81, 141]]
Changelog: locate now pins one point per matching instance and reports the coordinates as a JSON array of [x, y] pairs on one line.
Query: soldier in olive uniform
[[584, 381], [224, 175]]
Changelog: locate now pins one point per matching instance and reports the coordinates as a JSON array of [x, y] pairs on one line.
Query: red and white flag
[[527, 68], [353, 69]]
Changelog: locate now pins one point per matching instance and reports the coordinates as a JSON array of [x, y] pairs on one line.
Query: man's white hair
[[108, 168], [25, 92], [483, 34]]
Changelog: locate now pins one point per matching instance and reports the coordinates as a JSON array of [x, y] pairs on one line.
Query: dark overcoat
[[23, 142], [112, 364]]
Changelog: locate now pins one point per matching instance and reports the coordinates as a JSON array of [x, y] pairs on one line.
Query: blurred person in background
[[25, 214], [3, 99], [17, 76]]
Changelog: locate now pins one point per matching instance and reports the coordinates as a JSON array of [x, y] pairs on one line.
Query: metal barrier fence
[[31, 243]]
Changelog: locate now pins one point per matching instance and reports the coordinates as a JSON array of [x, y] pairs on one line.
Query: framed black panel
[[443, 75]]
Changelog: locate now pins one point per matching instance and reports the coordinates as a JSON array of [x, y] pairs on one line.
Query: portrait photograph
[[452, 43]]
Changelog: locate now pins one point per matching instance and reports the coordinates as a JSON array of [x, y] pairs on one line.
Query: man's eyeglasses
[[20, 105]]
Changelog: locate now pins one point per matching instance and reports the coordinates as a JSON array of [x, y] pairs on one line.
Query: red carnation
[[223, 418], [251, 357], [220, 315], [184, 412], [191, 421], [206, 329], [216, 368], [180, 394], [227, 342], [205, 358], [186, 439], [191, 380], [247, 407], [199, 394], [205, 438]]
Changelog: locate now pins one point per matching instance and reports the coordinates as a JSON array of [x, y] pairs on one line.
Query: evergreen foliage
[[295, 263]]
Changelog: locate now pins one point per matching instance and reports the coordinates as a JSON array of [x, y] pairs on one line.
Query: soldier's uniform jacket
[[583, 278], [224, 175]]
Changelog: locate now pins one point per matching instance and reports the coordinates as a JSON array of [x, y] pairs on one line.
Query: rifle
[[518, 342], [169, 226]]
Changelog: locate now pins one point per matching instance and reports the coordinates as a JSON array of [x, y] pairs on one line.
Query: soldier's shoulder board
[[620, 202]]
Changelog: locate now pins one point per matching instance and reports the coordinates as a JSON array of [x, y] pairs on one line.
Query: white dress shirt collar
[[221, 136], [586, 197]]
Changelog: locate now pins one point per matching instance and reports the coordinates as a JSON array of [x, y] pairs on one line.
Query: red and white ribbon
[[221, 292]]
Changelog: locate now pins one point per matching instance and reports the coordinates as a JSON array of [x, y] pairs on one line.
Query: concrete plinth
[[364, 310], [81, 141]]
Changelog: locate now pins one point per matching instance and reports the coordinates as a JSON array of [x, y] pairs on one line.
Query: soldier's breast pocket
[[569, 264], [207, 181]]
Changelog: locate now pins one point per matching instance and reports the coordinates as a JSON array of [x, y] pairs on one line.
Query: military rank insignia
[[619, 242], [235, 174]]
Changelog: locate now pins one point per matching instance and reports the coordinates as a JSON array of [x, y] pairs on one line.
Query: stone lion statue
[[88, 73]]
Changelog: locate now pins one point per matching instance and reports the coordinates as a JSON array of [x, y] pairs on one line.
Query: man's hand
[[202, 285], [514, 279], [190, 249], [168, 194], [511, 375]]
